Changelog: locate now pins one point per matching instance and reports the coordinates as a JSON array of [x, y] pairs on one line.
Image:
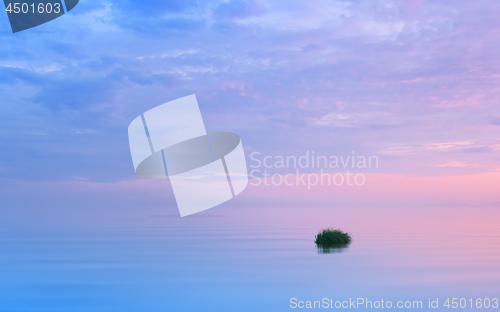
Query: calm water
[[252, 260]]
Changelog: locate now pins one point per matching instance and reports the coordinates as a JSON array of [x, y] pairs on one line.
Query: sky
[[414, 82]]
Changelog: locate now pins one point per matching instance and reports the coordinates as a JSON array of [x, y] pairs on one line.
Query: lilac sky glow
[[414, 82]]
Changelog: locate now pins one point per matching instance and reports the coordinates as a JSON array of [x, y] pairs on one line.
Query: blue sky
[[415, 82]]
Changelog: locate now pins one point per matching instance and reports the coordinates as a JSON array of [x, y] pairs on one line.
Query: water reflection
[[252, 258], [332, 249]]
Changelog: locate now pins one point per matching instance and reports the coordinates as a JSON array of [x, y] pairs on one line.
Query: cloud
[[495, 121], [465, 147], [478, 149], [238, 9], [154, 8], [456, 164], [410, 82], [74, 94], [436, 147], [355, 120]]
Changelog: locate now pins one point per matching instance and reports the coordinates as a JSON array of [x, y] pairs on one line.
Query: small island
[[331, 239]]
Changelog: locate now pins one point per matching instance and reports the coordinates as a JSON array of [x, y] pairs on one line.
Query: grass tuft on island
[[331, 238]]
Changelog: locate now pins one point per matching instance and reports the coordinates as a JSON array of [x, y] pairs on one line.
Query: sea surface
[[256, 260]]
